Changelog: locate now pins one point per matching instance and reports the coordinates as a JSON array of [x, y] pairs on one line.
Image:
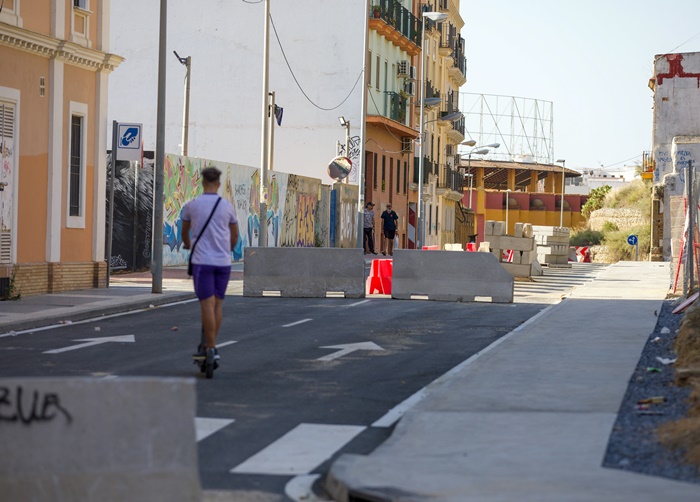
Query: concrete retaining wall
[[94, 439], [450, 276], [304, 272]]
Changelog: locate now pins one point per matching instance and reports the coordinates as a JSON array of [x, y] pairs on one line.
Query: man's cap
[[370, 204]]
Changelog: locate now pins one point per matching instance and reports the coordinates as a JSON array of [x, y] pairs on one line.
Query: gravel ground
[[633, 445]]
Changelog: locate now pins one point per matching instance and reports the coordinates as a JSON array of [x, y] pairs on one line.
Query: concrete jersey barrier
[[86, 439], [304, 272], [450, 276]]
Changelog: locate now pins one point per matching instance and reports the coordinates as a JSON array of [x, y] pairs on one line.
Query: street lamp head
[[469, 142], [342, 121], [482, 151], [494, 145], [430, 102], [452, 117], [435, 16], [561, 161]]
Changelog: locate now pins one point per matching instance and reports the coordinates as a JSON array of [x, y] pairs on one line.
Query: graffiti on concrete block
[[38, 407]]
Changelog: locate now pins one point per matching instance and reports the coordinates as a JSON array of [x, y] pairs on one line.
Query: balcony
[[397, 24], [428, 169], [451, 179], [398, 107]]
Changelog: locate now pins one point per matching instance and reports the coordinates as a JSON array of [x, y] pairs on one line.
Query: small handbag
[[189, 261]]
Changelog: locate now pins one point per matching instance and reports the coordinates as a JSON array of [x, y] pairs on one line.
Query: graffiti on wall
[[353, 155], [7, 160], [291, 211]]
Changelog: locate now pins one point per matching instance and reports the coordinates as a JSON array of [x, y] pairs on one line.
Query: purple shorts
[[210, 280]]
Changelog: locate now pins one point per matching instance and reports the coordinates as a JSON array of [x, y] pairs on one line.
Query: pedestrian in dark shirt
[[389, 219]]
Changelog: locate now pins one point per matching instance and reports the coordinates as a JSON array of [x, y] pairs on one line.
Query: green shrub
[[596, 199], [585, 237], [619, 250], [609, 226]]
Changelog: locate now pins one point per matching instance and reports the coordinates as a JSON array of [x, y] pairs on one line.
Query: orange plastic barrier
[[432, 248], [507, 256], [379, 280]]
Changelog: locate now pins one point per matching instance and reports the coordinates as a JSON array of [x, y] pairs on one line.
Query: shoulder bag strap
[[204, 228]]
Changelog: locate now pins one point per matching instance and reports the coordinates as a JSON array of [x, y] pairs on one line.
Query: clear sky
[[593, 59]]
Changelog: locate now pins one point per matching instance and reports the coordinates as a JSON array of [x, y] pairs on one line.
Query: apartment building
[[53, 116], [396, 45]]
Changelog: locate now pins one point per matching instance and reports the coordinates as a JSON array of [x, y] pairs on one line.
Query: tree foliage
[[595, 200]]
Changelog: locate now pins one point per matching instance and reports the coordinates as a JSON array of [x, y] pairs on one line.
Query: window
[[81, 4], [9, 12], [430, 221], [376, 76], [383, 172], [374, 171], [405, 177], [369, 69], [42, 86], [398, 176], [76, 161], [77, 156]]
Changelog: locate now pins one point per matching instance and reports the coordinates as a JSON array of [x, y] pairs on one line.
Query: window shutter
[[7, 152]]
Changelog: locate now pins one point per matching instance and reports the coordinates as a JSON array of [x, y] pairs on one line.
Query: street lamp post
[[561, 206], [507, 206], [437, 17], [187, 63], [477, 150], [264, 153]]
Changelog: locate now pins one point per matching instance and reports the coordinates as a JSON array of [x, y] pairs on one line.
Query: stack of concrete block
[[454, 247], [522, 242], [552, 245]]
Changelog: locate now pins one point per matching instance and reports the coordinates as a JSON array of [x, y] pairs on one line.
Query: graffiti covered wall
[[291, 213], [346, 215]]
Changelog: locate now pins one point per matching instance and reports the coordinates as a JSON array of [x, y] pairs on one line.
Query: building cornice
[[62, 50]]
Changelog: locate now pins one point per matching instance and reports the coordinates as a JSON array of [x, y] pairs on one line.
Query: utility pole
[[157, 258], [262, 236]]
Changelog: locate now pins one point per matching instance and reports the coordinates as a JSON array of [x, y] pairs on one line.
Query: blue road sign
[[632, 240], [129, 142]]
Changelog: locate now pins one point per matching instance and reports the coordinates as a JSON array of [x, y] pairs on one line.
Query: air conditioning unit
[[403, 68], [406, 142], [410, 88], [412, 73]]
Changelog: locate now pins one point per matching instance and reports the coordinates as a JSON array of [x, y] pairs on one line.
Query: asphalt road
[[293, 390]]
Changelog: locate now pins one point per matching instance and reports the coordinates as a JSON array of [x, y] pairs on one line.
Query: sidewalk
[[127, 292], [529, 418]]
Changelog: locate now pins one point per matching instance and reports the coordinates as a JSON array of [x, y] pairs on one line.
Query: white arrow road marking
[[300, 450], [347, 349], [295, 323], [93, 341], [205, 427], [299, 489]]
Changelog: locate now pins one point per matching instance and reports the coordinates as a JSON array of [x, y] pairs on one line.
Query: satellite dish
[[339, 168]]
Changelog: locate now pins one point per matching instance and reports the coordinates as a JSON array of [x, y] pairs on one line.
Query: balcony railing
[[398, 107], [428, 168], [451, 178], [402, 19]]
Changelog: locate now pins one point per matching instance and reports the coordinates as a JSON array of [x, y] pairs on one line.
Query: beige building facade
[[55, 64]]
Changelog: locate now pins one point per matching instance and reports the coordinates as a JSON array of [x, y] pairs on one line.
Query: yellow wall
[[36, 15], [76, 243], [22, 71]]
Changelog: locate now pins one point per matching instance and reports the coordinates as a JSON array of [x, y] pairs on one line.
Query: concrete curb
[[87, 312]]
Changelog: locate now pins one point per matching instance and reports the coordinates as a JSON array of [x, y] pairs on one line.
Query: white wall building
[[323, 41]]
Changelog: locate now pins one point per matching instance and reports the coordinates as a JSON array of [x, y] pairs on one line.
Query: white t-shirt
[[214, 247]]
